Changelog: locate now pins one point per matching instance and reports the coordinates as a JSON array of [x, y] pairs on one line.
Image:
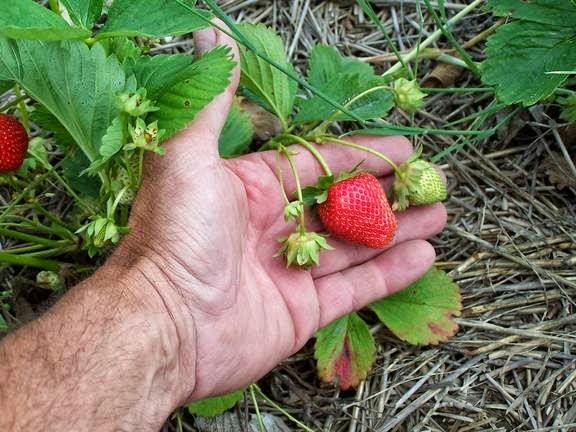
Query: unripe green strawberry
[[407, 95], [13, 143], [418, 182], [356, 209]]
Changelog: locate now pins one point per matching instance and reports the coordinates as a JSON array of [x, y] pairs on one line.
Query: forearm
[[106, 357]]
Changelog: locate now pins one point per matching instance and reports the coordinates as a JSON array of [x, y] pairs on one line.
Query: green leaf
[[262, 79], [422, 313], [84, 12], [522, 55], [214, 406], [73, 165], [152, 18], [554, 12], [5, 86], [327, 64], [3, 324], [343, 89], [161, 72], [111, 144], [76, 84], [43, 118], [123, 48], [237, 133], [345, 351], [26, 19], [210, 76]]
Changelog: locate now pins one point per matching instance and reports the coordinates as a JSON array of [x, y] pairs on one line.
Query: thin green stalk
[[336, 140], [239, 37], [433, 37], [280, 175], [312, 150], [32, 238], [322, 126], [365, 5], [65, 184], [477, 123], [22, 107], [257, 409], [27, 261], [51, 253], [286, 152], [24, 249], [282, 410], [54, 6], [448, 34], [12, 103], [457, 90]]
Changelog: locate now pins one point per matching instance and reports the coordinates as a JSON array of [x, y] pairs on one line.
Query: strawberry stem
[[281, 177], [312, 150], [54, 6], [336, 140], [294, 170], [22, 107]]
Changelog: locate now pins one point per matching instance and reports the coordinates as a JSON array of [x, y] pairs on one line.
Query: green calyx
[[50, 280], [303, 249], [407, 95], [418, 182]]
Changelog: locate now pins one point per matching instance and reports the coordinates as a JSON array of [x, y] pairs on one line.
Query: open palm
[[211, 228]]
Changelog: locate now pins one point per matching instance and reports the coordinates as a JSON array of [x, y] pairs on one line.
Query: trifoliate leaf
[[152, 18], [77, 84], [345, 351], [265, 81], [326, 64], [84, 12], [26, 19], [422, 313], [209, 76], [525, 56], [214, 406], [237, 133]]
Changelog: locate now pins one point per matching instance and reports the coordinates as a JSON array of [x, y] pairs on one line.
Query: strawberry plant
[[84, 73]]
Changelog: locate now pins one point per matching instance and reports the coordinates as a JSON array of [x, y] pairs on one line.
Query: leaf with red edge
[[422, 313], [345, 351]]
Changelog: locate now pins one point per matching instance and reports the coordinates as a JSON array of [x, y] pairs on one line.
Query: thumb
[[204, 131]]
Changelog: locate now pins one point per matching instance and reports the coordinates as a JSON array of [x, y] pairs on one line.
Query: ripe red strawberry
[[13, 143], [356, 209]]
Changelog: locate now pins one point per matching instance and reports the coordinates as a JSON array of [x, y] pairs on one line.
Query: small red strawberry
[[356, 209], [13, 143]]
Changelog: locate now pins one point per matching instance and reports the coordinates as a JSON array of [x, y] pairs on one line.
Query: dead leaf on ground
[[558, 171], [443, 75]]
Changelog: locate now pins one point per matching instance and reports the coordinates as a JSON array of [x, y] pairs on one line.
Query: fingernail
[[205, 40]]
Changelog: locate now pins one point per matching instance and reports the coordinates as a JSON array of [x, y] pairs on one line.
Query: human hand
[[205, 231]]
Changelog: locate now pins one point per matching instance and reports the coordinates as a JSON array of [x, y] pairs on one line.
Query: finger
[[417, 223], [204, 131], [352, 289], [340, 158]]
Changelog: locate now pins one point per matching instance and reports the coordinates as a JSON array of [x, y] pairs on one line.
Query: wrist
[[170, 329]]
